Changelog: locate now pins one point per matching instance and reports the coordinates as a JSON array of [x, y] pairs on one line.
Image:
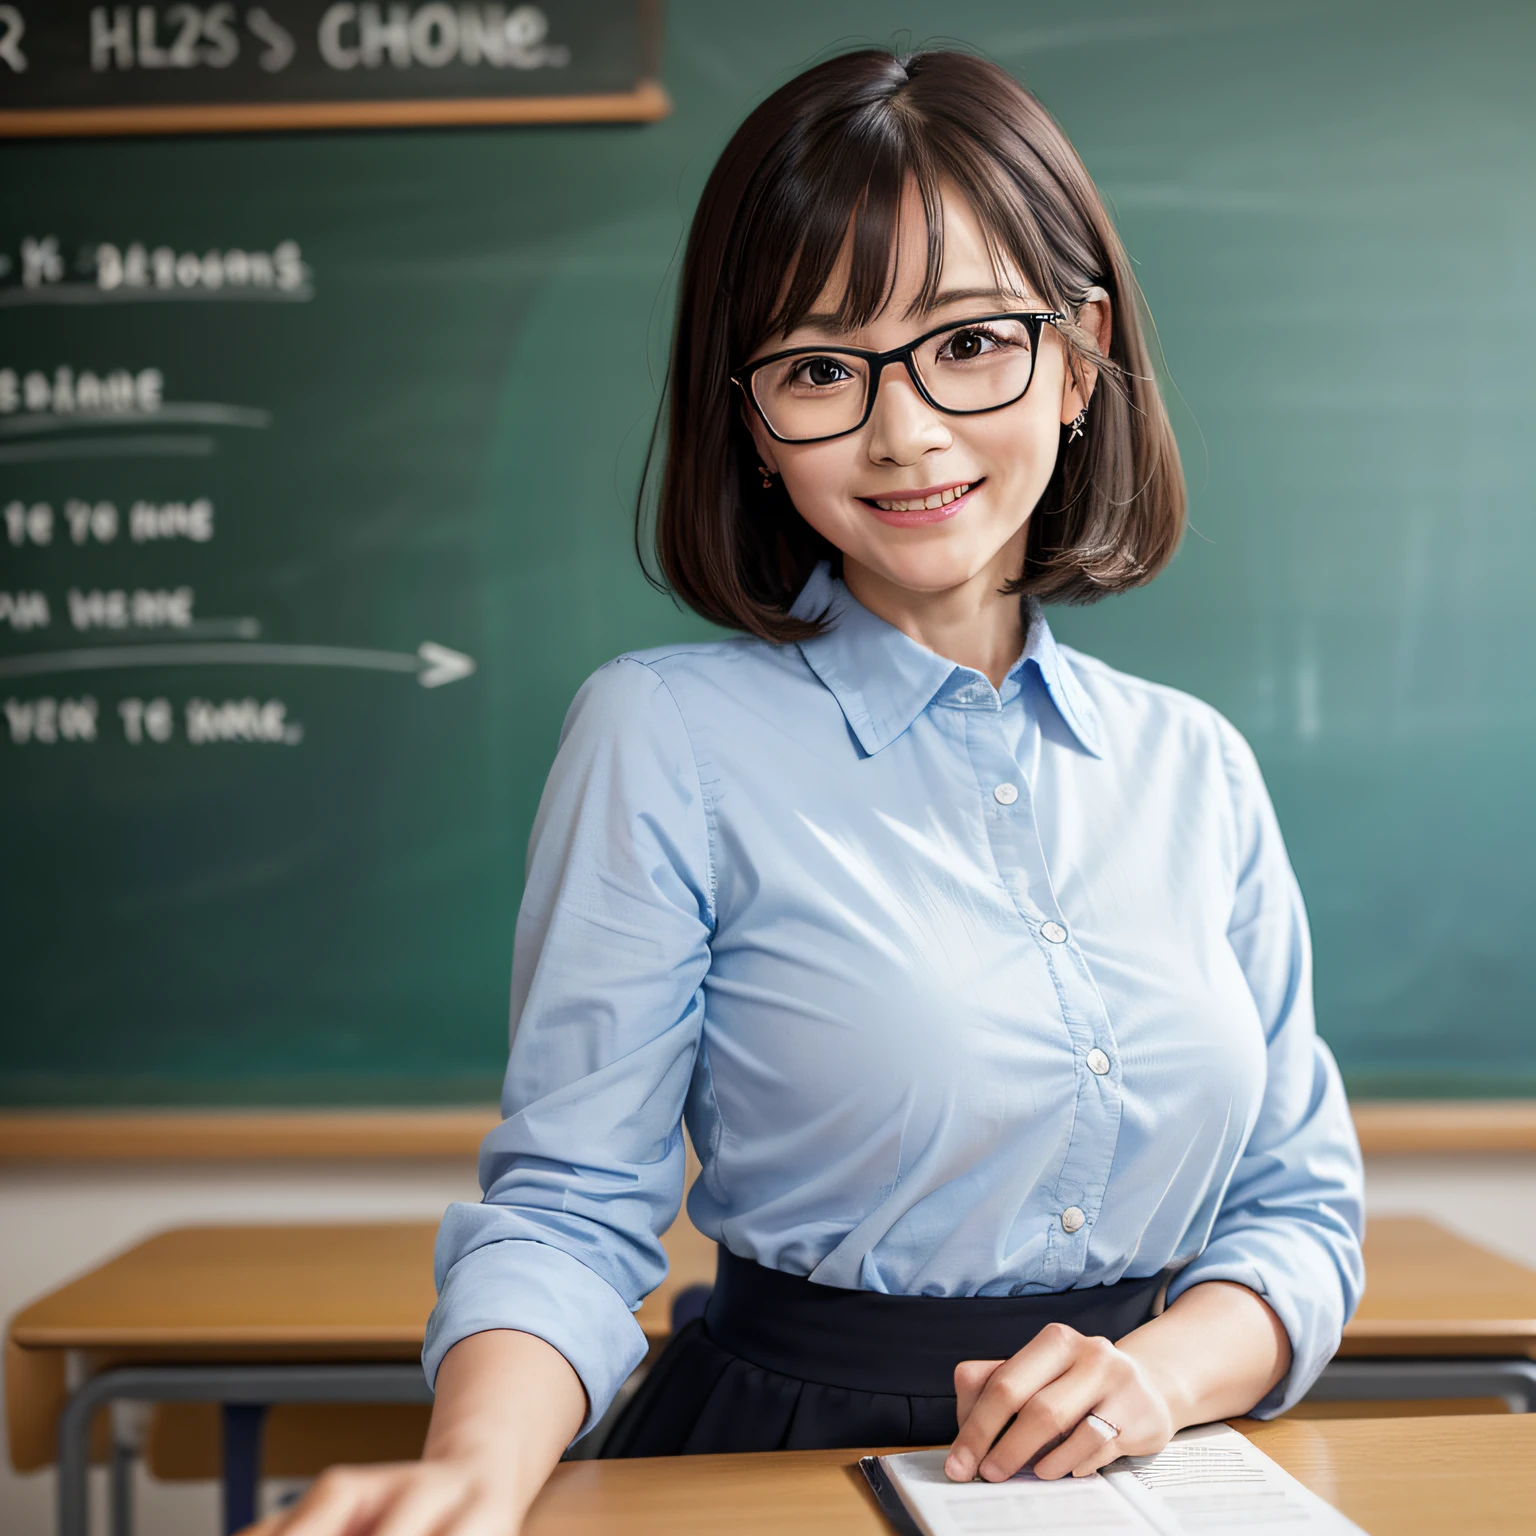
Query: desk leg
[[242, 1463], [123, 1459], [74, 1463]]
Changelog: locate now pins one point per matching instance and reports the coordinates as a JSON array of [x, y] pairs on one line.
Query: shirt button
[[1072, 1218], [1098, 1062], [1054, 932], [1006, 794]]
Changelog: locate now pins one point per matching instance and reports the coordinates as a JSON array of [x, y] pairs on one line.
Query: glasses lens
[[812, 394], [979, 366]]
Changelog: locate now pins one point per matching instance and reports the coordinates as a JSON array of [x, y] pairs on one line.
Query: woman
[[976, 969]]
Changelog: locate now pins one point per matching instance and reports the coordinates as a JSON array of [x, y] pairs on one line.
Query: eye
[[968, 345], [819, 372]]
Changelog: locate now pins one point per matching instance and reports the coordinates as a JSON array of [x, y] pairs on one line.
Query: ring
[[1104, 1427]]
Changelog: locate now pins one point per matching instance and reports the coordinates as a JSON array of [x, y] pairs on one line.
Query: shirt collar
[[883, 679]]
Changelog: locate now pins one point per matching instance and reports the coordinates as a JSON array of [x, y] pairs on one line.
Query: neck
[[975, 624]]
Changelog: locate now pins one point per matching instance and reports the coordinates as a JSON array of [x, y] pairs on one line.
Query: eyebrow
[[830, 322]]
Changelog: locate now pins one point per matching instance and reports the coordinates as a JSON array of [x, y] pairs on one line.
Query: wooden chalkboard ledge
[[232, 1135], [645, 104], [1386, 1127]]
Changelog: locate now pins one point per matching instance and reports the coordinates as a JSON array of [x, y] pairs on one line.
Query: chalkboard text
[[98, 522], [140, 608], [67, 390], [104, 269], [47, 721], [70, 66], [50, 721]]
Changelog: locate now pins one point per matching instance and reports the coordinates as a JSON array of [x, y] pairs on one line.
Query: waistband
[[869, 1341]]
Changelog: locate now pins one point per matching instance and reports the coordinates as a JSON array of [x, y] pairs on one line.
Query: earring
[[1077, 424], [767, 475]]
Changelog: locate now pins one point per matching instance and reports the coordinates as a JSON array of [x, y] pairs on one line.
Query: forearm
[[1215, 1353], [509, 1403]]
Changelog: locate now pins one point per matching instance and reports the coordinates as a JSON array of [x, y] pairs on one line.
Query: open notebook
[[1209, 1480]]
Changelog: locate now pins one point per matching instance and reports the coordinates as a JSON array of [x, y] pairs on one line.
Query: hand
[[1048, 1389], [403, 1498]]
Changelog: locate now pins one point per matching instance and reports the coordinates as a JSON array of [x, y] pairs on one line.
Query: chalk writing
[[247, 720], [23, 611], [67, 390], [49, 721], [141, 608]]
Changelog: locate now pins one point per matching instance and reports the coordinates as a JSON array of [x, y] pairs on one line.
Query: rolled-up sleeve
[[1292, 1218], [587, 1167]]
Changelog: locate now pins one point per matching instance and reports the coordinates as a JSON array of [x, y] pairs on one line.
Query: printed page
[[1084, 1506], [1209, 1480], [1212, 1479]]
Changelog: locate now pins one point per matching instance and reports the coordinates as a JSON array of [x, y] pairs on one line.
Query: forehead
[[968, 261]]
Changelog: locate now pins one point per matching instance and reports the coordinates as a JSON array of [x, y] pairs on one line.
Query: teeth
[[928, 504]]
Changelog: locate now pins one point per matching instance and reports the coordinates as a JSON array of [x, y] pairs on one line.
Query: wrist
[[1160, 1370]]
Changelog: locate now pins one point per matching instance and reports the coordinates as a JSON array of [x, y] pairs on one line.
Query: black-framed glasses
[[810, 394]]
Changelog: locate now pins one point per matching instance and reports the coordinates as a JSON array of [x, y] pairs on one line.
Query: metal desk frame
[[245, 1392]]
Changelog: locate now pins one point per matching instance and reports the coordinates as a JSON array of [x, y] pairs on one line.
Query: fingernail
[[956, 1470]]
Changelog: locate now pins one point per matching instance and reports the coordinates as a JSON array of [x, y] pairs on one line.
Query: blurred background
[[318, 451]]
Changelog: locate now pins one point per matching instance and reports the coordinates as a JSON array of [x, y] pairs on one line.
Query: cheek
[[821, 481], [1016, 449]]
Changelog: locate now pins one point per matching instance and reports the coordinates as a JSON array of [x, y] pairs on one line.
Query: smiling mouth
[[929, 503]]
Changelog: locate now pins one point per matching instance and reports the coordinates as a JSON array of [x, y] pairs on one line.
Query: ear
[[1093, 316], [760, 438]]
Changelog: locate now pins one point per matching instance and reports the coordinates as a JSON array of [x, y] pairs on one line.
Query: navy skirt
[[778, 1363]]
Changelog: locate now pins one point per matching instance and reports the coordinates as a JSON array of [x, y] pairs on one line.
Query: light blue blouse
[[961, 993]]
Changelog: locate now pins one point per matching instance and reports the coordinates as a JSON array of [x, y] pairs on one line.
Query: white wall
[[58, 1221]]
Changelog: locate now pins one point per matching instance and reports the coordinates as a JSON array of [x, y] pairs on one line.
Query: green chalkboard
[[357, 395]]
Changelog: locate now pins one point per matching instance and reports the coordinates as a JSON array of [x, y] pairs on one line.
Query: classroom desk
[[1441, 1317], [243, 1316], [249, 1316], [1392, 1477]]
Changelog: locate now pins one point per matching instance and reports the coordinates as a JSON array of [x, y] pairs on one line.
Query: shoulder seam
[[705, 803]]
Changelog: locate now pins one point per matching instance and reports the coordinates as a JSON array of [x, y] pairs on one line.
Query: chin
[[934, 566]]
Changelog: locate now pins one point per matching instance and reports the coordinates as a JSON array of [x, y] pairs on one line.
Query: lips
[[930, 504], [926, 499]]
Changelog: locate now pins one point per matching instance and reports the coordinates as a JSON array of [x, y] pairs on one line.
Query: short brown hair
[[839, 143]]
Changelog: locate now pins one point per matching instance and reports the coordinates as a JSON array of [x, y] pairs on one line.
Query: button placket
[[1081, 1177]]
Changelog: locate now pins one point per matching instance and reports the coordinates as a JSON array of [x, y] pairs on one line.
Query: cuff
[[537, 1288], [1301, 1281]]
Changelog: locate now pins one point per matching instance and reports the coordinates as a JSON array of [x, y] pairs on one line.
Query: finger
[[344, 1501], [1110, 1450], [970, 1377], [1044, 1422], [1085, 1450], [424, 1508], [1008, 1388]]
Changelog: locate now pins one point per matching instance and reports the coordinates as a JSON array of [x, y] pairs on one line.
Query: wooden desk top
[[1429, 1292], [349, 1291], [1393, 1477], [342, 1291]]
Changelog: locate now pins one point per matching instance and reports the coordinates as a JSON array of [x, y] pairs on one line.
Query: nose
[[903, 426]]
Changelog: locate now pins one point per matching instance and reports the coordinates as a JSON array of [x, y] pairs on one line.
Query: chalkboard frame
[[636, 96], [647, 103], [1386, 1128]]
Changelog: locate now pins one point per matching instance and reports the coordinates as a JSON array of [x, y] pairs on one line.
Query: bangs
[[837, 197]]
